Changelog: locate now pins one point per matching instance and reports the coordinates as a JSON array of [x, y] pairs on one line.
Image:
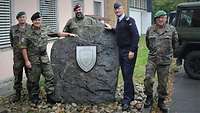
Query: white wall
[[142, 18], [88, 7], [29, 6], [146, 21], [65, 12], [137, 15]]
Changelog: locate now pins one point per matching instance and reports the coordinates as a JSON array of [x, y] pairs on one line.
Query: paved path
[[186, 97]]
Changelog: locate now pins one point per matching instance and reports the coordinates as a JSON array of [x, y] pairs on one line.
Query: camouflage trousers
[[18, 71], [162, 74], [34, 77]]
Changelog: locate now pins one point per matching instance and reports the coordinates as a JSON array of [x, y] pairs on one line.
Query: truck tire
[[192, 64]]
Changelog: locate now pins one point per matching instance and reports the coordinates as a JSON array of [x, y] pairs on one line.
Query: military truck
[[187, 23]]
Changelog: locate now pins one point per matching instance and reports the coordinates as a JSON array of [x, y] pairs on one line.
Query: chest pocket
[[167, 41], [44, 38], [165, 44], [16, 38], [73, 28], [152, 42]]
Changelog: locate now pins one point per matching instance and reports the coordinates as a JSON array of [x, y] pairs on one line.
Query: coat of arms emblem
[[86, 57]]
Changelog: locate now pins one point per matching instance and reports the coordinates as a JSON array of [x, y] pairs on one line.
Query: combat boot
[[163, 107], [148, 101], [17, 96], [52, 99], [35, 99]]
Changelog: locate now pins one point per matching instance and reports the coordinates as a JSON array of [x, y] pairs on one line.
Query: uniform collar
[[37, 31], [121, 17], [19, 28], [166, 28], [76, 20]]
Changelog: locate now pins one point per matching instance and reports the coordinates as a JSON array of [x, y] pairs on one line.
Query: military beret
[[160, 13], [77, 6], [35, 16], [20, 14], [117, 5]]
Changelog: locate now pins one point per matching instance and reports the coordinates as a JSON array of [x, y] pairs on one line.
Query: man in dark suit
[[127, 40]]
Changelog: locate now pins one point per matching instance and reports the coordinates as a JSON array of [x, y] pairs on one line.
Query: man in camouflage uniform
[[161, 39], [16, 32], [74, 24], [34, 52]]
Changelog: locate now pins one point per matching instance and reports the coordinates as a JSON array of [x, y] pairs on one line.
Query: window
[[48, 12], [190, 18], [140, 4], [97, 8], [5, 22]]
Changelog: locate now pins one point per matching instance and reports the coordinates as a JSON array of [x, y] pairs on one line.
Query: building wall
[[64, 13], [146, 21], [64, 9], [137, 15], [29, 6], [142, 19], [109, 10]]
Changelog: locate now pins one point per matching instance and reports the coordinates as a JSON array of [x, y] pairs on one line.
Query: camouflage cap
[[35, 16], [160, 13], [20, 14]]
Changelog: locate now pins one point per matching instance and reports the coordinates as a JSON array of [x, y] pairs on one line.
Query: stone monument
[[86, 67]]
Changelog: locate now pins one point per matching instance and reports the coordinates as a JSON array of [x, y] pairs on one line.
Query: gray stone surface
[[72, 83]]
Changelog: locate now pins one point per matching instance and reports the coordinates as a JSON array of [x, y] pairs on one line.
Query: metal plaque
[[86, 57]]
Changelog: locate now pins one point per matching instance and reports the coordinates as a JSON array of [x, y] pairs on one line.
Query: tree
[[166, 5]]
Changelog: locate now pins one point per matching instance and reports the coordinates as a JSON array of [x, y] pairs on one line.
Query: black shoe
[[163, 107], [125, 107], [52, 99], [17, 96], [178, 62], [149, 101], [35, 99]]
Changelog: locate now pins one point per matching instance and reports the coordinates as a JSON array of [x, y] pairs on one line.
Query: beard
[[79, 15]]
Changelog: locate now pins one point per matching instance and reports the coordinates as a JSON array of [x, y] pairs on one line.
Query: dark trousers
[[127, 67]]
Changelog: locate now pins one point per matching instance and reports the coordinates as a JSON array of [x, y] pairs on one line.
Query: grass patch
[[139, 73]]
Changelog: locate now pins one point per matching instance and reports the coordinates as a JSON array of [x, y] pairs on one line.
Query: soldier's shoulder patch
[[128, 21], [127, 18]]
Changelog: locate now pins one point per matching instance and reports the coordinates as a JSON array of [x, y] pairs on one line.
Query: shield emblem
[[86, 57]]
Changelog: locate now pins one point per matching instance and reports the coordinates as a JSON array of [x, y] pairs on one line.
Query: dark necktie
[[118, 20]]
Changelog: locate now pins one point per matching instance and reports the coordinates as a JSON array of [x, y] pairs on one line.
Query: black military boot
[[149, 101], [125, 107], [52, 99], [163, 107], [17, 96]]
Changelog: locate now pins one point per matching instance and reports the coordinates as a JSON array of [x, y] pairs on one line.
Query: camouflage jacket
[[36, 42], [15, 37], [74, 24], [161, 43]]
